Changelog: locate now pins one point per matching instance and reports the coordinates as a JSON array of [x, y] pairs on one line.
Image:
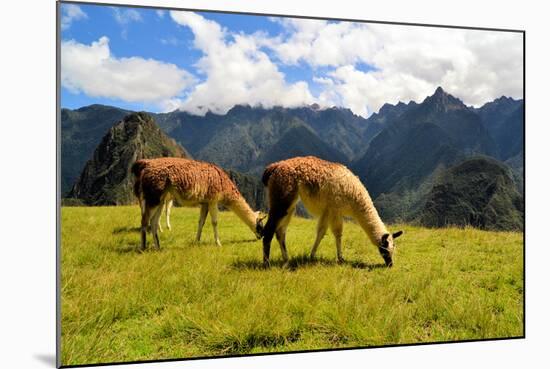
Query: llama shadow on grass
[[126, 249], [132, 247], [136, 249], [120, 230], [232, 242], [302, 261]]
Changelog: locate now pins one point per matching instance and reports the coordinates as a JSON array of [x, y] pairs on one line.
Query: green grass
[[200, 300]]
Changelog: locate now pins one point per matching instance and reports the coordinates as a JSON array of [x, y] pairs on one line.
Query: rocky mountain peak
[[443, 102], [106, 178]]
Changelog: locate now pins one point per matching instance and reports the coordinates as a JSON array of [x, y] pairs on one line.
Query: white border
[[27, 68]]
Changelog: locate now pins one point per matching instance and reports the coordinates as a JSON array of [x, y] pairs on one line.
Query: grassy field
[[200, 300]]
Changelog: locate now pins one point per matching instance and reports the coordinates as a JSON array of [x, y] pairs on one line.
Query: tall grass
[[192, 299]]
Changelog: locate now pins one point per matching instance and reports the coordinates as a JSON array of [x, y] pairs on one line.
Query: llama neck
[[240, 207], [368, 218]]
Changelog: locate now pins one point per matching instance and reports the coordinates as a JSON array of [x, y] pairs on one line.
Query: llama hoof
[[219, 244], [266, 265], [341, 260]]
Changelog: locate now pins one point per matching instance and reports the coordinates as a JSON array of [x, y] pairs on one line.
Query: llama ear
[[397, 234], [385, 237]]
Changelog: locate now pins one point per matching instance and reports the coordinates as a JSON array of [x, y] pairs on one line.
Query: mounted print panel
[[240, 184]]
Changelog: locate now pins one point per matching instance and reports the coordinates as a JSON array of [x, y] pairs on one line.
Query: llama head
[[387, 247], [260, 224]]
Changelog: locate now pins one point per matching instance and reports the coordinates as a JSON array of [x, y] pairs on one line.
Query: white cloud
[[365, 92], [357, 65], [408, 62], [360, 66], [322, 43], [70, 13], [476, 66], [160, 13], [93, 70], [209, 35], [236, 70]]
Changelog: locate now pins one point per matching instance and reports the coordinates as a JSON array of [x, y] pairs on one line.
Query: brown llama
[[329, 191], [191, 183], [136, 169]]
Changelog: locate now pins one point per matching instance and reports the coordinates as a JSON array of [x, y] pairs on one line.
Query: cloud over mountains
[[360, 66]]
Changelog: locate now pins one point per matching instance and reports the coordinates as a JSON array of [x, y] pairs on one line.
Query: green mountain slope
[[299, 141], [106, 178], [81, 132], [503, 119], [479, 192]]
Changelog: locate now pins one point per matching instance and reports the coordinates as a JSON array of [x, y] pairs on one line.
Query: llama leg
[[281, 238], [169, 205], [145, 219], [202, 220], [159, 226], [269, 231], [281, 201], [155, 224], [322, 226], [276, 213], [142, 206], [281, 233], [213, 209], [337, 226]]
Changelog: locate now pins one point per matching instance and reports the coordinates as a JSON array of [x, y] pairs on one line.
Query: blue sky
[[157, 60]]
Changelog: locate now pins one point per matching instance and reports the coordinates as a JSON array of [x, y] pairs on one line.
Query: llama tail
[[268, 172], [137, 187], [138, 167], [136, 170]]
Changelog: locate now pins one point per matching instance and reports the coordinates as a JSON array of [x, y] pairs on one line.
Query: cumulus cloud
[[69, 14], [93, 70], [365, 92], [357, 65], [405, 63], [322, 43], [236, 70], [360, 66]]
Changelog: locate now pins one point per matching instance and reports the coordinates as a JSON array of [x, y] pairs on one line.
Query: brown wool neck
[[368, 218], [241, 208]]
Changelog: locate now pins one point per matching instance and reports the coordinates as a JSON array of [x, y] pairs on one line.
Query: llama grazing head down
[[260, 224], [387, 247]]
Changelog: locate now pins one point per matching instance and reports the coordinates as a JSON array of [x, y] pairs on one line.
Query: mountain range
[[399, 152]]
